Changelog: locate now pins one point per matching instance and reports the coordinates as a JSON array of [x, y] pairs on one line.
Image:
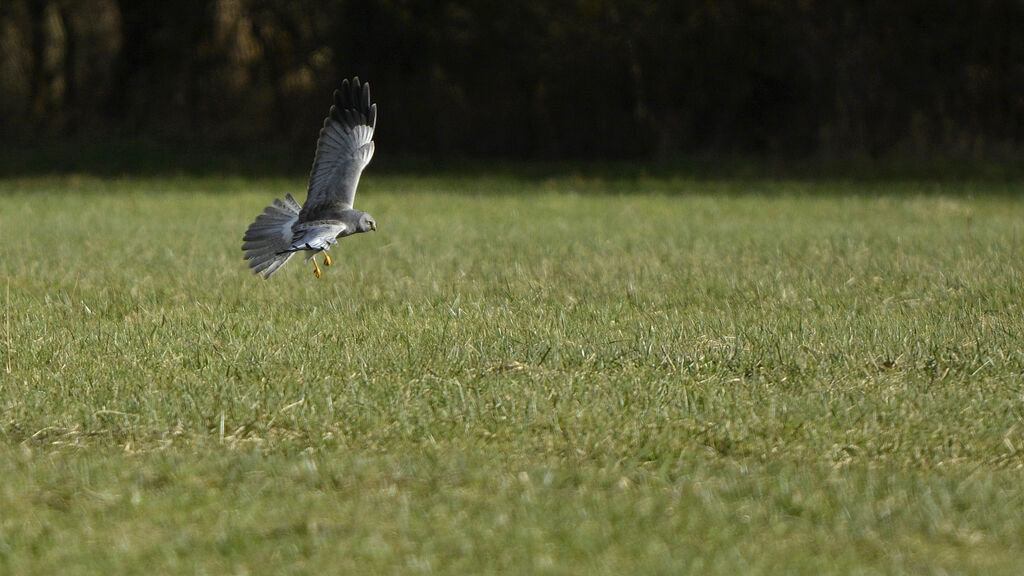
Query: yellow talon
[[327, 259], [316, 268]]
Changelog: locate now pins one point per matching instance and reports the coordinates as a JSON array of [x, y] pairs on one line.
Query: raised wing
[[344, 148]]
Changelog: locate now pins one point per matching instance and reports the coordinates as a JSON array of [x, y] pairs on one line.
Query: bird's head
[[366, 223]]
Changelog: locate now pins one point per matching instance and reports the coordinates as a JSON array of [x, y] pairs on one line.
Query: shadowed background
[[590, 79]]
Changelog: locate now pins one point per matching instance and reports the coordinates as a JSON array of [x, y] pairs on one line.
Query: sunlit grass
[[565, 375]]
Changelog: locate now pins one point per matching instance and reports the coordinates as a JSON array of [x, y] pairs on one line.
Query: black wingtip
[[352, 101]]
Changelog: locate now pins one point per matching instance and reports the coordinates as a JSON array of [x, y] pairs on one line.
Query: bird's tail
[[270, 235]]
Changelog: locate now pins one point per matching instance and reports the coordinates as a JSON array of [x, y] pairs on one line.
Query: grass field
[[515, 375]]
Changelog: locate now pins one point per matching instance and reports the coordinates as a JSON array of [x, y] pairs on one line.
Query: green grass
[[536, 376]]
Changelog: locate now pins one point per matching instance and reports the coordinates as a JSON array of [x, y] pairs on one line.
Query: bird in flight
[[343, 150]]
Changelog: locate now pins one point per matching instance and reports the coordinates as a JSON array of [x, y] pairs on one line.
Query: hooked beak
[[373, 226]]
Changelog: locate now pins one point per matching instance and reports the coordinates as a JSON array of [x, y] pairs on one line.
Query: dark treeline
[[526, 79]]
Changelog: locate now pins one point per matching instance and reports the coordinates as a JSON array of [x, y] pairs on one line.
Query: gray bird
[[343, 150]]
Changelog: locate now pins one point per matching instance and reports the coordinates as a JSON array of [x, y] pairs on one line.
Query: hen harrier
[[343, 150]]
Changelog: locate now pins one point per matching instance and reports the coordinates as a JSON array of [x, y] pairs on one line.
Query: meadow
[[515, 375]]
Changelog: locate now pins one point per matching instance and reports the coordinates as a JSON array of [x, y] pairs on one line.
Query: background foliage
[[590, 78]]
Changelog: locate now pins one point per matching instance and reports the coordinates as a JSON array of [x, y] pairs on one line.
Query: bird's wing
[[316, 235], [344, 148]]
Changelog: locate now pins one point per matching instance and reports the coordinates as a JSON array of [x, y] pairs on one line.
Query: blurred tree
[[584, 78]]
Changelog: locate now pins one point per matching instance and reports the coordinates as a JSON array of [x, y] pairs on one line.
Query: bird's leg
[[316, 268], [327, 258]]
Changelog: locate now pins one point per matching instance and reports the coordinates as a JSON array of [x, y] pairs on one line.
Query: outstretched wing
[[343, 150]]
